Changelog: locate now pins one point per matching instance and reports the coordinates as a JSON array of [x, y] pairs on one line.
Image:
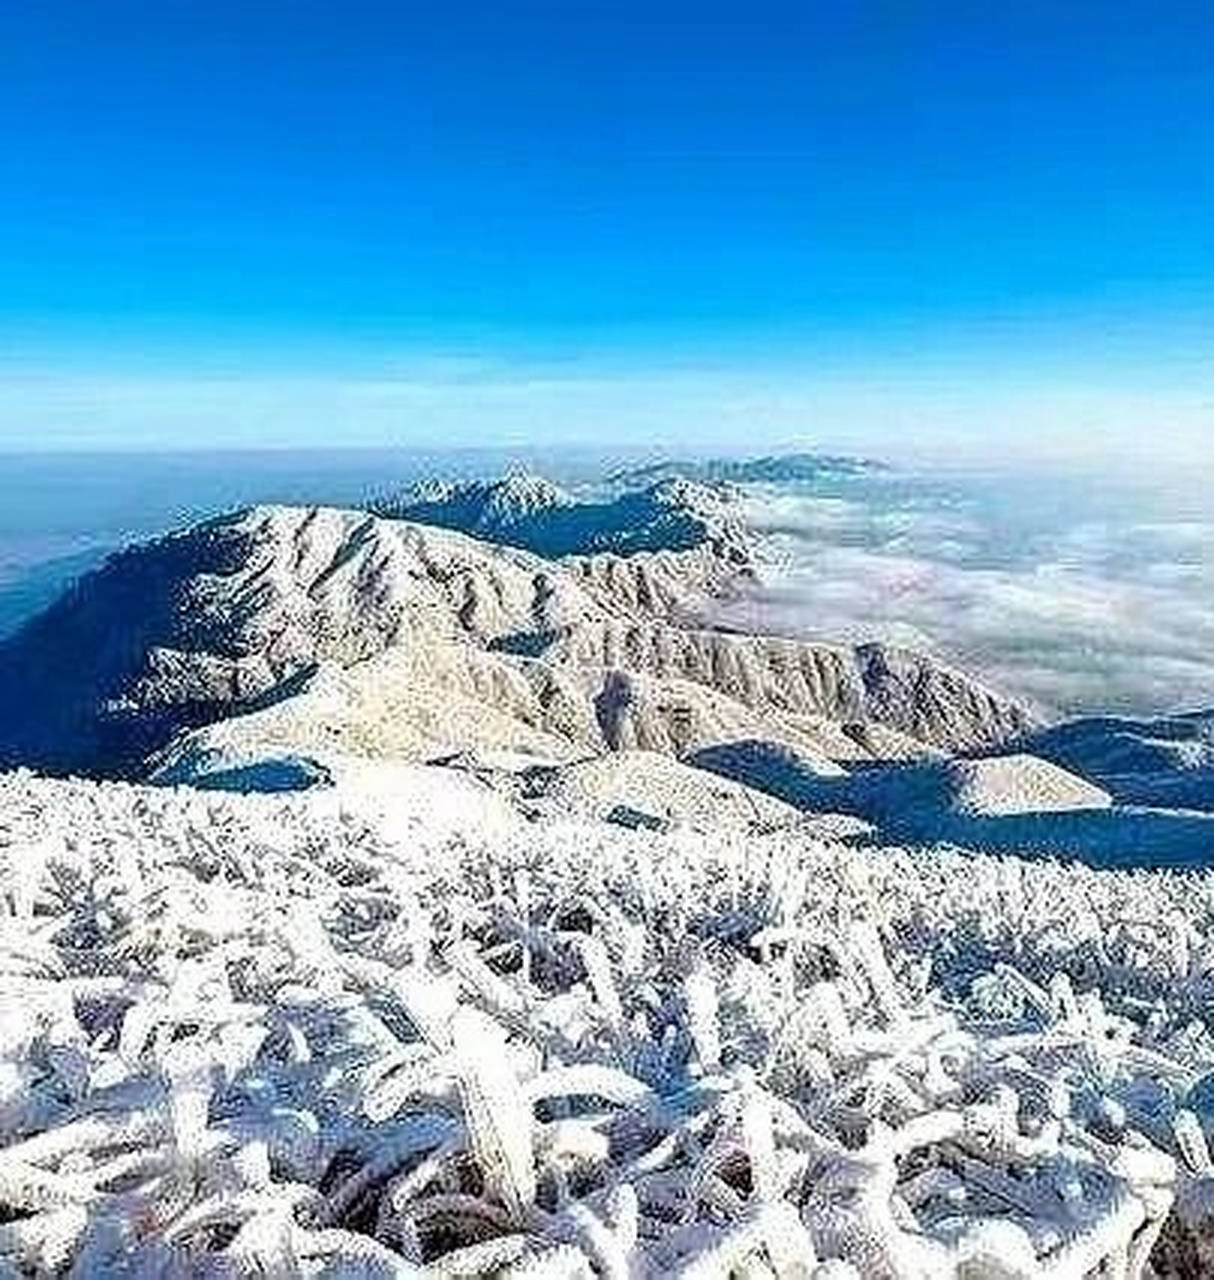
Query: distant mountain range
[[669, 505], [785, 468]]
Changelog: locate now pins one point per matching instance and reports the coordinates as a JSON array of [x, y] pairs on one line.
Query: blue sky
[[277, 222]]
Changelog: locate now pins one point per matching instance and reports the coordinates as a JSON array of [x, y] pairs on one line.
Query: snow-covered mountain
[[522, 510], [783, 468], [234, 615], [271, 648], [562, 934], [1166, 762]]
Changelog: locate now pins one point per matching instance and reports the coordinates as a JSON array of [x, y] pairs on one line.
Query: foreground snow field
[[329, 1034]]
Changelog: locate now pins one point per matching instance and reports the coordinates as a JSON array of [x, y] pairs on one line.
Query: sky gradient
[[395, 222]]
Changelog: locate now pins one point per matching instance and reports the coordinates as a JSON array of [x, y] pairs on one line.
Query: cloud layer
[[1080, 597]]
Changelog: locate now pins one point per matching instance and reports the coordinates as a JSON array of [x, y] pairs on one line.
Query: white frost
[[320, 1034]]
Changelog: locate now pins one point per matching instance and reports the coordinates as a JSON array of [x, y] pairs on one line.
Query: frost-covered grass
[[295, 1035]]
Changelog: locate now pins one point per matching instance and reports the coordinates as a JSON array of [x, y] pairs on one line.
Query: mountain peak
[[525, 510]]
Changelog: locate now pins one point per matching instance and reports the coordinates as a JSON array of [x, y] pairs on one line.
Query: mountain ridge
[[521, 509], [783, 468], [217, 619], [282, 648]]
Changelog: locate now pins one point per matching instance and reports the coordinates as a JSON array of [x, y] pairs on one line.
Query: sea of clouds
[[1077, 594]]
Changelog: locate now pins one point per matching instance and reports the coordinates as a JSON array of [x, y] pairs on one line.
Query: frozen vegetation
[[339, 1034]]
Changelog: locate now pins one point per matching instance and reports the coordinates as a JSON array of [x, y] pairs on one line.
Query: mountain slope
[[526, 511], [906, 692], [235, 613], [1166, 762], [188, 628]]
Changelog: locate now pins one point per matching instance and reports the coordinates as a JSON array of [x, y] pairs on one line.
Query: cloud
[[1078, 612]]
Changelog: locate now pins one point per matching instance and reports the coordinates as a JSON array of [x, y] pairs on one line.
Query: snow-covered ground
[[383, 1029]]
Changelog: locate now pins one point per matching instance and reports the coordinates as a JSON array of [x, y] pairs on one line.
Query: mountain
[[778, 677], [490, 509], [526, 511], [785, 468], [283, 648], [1013, 803], [239, 614], [1166, 762], [233, 612]]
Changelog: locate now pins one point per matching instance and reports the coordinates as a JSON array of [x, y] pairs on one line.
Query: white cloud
[[1078, 614]]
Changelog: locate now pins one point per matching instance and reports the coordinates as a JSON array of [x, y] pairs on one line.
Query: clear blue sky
[[775, 197]]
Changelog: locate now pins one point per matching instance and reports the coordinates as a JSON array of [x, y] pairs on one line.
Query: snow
[[646, 788], [519, 925], [672, 513], [376, 1028]]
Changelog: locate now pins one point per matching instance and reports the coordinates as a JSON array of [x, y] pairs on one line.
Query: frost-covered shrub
[[243, 1034]]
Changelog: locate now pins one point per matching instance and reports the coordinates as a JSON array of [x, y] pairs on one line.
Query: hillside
[[1166, 762], [237, 613]]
